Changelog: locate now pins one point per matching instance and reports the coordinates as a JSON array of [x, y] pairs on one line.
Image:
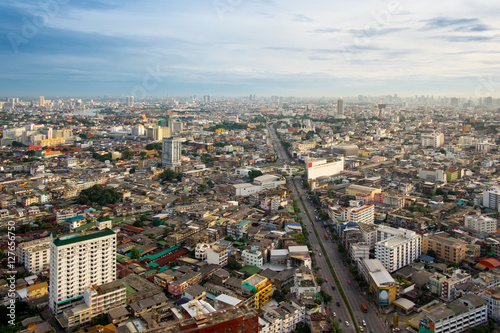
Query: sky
[[69, 48]]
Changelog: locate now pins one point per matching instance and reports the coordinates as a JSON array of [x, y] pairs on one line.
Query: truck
[[363, 307]]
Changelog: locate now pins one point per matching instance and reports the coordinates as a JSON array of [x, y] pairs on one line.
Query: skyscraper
[[340, 107], [130, 100], [42, 101], [171, 152], [77, 262]]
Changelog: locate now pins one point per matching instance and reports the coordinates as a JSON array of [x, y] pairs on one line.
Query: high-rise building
[[435, 139], [34, 255], [491, 198], [397, 248], [340, 107], [42, 101], [130, 100], [77, 262], [171, 152]]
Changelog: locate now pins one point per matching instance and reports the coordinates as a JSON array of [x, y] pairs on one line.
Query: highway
[[353, 295]]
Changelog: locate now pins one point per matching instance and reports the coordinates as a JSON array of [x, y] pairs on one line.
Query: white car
[[334, 314], [364, 323], [346, 323]]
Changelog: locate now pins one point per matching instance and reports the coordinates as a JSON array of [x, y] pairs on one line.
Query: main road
[[354, 296]]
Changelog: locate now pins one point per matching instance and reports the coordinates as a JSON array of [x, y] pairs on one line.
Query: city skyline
[[231, 48]]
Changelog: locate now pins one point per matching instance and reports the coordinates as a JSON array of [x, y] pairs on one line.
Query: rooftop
[[76, 238]]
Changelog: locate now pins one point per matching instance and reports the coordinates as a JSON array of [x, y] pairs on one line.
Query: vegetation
[[23, 311], [228, 126], [99, 195], [252, 174], [234, 265], [168, 175], [154, 146], [134, 253]]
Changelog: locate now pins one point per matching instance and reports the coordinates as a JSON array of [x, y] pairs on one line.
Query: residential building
[[434, 140], [304, 283], [492, 296], [317, 168], [446, 248], [261, 287], [281, 318], [354, 189], [381, 284], [491, 198], [481, 223], [399, 251], [217, 255], [171, 152], [432, 174], [35, 255], [77, 262], [253, 257], [458, 316]]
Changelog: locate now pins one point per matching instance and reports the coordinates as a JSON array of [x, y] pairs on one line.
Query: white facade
[[78, 261], [432, 175], [304, 282], [359, 251], [217, 255], [491, 198], [246, 189], [398, 251], [446, 320], [434, 140], [316, 168], [35, 255], [492, 296], [253, 258], [282, 318], [138, 130], [480, 223], [171, 152], [201, 251]]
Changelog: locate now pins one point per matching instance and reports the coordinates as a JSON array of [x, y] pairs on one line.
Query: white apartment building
[[77, 262], [359, 251], [201, 251], [253, 257], [356, 213], [171, 152], [281, 318], [457, 316], [432, 175], [491, 198], [97, 301], [399, 251], [435, 139], [316, 168], [35, 255], [481, 223], [492, 296], [217, 255], [369, 233]]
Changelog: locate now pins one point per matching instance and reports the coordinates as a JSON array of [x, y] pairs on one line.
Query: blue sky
[[237, 47]]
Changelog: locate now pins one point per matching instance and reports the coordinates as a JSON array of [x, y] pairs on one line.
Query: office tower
[[42, 101], [175, 125], [171, 152], [77, 262], [130, 100], [340, 107]]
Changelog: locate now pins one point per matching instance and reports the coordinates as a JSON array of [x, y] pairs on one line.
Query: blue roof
[[425, 257], [294, 224], [243, 223], [75, 218]]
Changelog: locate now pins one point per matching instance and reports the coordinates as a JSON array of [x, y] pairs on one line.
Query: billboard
[[383, 297]]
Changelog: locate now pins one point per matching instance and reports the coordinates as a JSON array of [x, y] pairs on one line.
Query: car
[[346, 323], [333, 287], [320, 254], [364, 322], [310, 231], [338, 303], [361, 329], [334, 314], [326, 280], [316, 249], [372, 331], [348, 281]]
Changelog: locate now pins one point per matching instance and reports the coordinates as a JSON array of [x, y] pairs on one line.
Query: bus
[[363, 307], [326, 235]]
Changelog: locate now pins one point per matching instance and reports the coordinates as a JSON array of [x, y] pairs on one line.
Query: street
[[354, 296]]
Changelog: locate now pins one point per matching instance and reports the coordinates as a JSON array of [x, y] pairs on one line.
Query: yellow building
[[262, 289], [37, 290], [446, 249], [354, 189], [52, 142]]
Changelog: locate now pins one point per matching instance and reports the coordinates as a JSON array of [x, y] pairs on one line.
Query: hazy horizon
[[234, 48]]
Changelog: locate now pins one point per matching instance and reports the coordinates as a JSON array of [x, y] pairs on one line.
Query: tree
[[134, 253], [139, 223], [320, 280], [168, 175], [278, 296], [132, 170], [127, 154], [154, 146], [254, 174], [143, 218], [143, 154], [98, 194], [431, 253], [234, 265], [229, 238]]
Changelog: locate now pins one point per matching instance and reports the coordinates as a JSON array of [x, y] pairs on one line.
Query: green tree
[[154, 146], [134, 253], [99, 195], [234, 265], [252, 174], [143, 154], [320, 280], [138, 223], [168, 175], [229, 238], [432, 253], [132, 170], [127, 154]]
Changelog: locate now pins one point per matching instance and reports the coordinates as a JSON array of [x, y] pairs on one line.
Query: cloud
[[474, 28], [326, 30], [444, 22], [301, 18], [466, 39], [377, 31]]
